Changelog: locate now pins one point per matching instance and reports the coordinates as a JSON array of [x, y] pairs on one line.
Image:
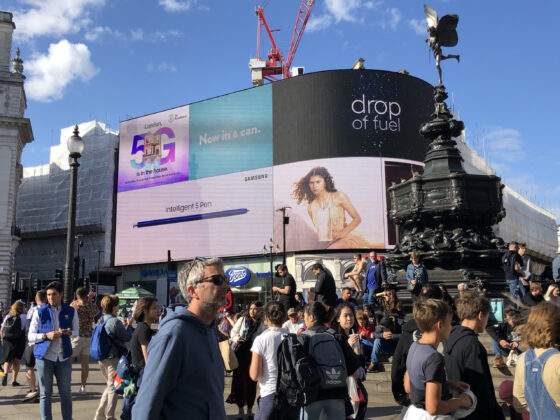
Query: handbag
[[228, 356]]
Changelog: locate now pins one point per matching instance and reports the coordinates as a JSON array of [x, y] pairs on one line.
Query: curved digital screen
[[208, 179]]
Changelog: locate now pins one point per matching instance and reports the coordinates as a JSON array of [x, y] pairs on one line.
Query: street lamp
[[269, 249], [99, 252], [285, 221], [75, 147]]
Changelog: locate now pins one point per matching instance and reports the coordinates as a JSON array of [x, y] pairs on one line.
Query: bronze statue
[[441, 33]]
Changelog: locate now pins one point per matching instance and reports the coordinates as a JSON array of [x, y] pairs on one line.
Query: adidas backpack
[[307, 365], [328, 359], [100, 345], [297, 382]]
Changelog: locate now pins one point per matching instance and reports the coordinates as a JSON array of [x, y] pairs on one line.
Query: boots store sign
[[238, 276]]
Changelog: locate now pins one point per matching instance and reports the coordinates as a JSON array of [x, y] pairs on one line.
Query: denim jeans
[[498, 351], [324, 410], [380, 346], [265, 406], [63, 373], [369, 297], [515, 288]]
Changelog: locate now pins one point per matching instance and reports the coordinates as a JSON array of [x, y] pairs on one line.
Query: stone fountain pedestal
[[445, 214]]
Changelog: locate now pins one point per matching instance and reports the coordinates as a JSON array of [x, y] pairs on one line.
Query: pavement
[[381, 404], [84, 406]]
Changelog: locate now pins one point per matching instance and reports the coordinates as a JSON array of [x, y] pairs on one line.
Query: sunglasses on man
[[217, 279]]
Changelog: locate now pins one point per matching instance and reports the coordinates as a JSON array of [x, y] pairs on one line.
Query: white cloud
[[337, 11], [343, 10], [162, 67], [98, 32], [418, 26], [173, 6], [53, 17], [319, 23], [392, 18], [50, 74], [163, 35], [136, 34], [504, 144]]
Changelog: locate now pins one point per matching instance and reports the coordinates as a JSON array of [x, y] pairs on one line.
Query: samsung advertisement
[[207, 179]]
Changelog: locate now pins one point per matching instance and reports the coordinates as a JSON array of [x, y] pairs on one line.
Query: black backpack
[[298, 380], [307, 365], [12, 328]]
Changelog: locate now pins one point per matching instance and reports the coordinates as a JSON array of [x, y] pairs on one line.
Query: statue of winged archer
[[441, 33]]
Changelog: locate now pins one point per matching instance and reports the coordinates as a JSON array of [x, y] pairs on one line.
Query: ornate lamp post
[[270, 250], [75, 147]]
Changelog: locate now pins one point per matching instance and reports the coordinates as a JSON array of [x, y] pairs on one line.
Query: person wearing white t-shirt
[[264, 368], [294, 323]]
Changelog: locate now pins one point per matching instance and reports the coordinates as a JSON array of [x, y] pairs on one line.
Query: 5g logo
[[153, 149]]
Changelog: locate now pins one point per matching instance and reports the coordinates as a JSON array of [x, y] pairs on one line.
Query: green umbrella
[[134, 293]]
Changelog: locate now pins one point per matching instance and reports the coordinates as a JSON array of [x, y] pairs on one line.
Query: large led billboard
[[208, 178], [222, 202]]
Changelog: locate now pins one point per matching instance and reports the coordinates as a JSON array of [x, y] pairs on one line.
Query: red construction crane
[[276, 64]]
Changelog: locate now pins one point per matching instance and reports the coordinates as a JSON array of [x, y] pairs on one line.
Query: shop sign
[[238, 276]]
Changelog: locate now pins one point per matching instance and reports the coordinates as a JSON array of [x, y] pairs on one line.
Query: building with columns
[[15, 133]]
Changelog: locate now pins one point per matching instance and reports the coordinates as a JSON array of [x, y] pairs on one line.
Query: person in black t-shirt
[[284, 287], [146, 312], [325, 287]]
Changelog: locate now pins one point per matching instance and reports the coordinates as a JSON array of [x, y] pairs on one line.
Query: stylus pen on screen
[[190, 218]]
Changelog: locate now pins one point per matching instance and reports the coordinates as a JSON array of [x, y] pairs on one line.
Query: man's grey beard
[[212, 306]]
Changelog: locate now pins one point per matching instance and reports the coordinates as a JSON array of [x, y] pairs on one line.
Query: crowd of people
[[292, 359]]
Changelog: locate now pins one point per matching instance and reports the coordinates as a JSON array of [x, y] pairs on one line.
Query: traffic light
[[59, 275]]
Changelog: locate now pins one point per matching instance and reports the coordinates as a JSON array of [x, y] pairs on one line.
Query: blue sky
[[113, 59]]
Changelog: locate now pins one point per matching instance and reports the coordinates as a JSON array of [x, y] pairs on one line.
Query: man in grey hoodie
[[184, 375]]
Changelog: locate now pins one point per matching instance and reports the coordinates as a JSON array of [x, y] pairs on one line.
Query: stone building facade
[[15, 133], [42, 209]]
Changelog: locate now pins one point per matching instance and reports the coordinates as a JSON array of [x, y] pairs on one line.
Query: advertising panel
[[153, 150], [219, 202], [232, 133], [208, 179], [349, 113], [331, 207]]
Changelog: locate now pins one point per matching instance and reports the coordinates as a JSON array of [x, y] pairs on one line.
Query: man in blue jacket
[[376, 275], [50, 330], [184, 374]]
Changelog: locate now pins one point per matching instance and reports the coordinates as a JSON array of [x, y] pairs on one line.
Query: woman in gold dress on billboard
[[327, 209]]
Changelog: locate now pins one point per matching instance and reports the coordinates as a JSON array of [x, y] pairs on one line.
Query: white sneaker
[[82, 389], [30, 395]]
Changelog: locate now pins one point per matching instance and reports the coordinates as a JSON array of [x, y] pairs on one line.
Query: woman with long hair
[[146, 312], [242, 335], [13, 341], [264, 367], [390, 303], [328, 210], [344, 323], [537, 373]]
